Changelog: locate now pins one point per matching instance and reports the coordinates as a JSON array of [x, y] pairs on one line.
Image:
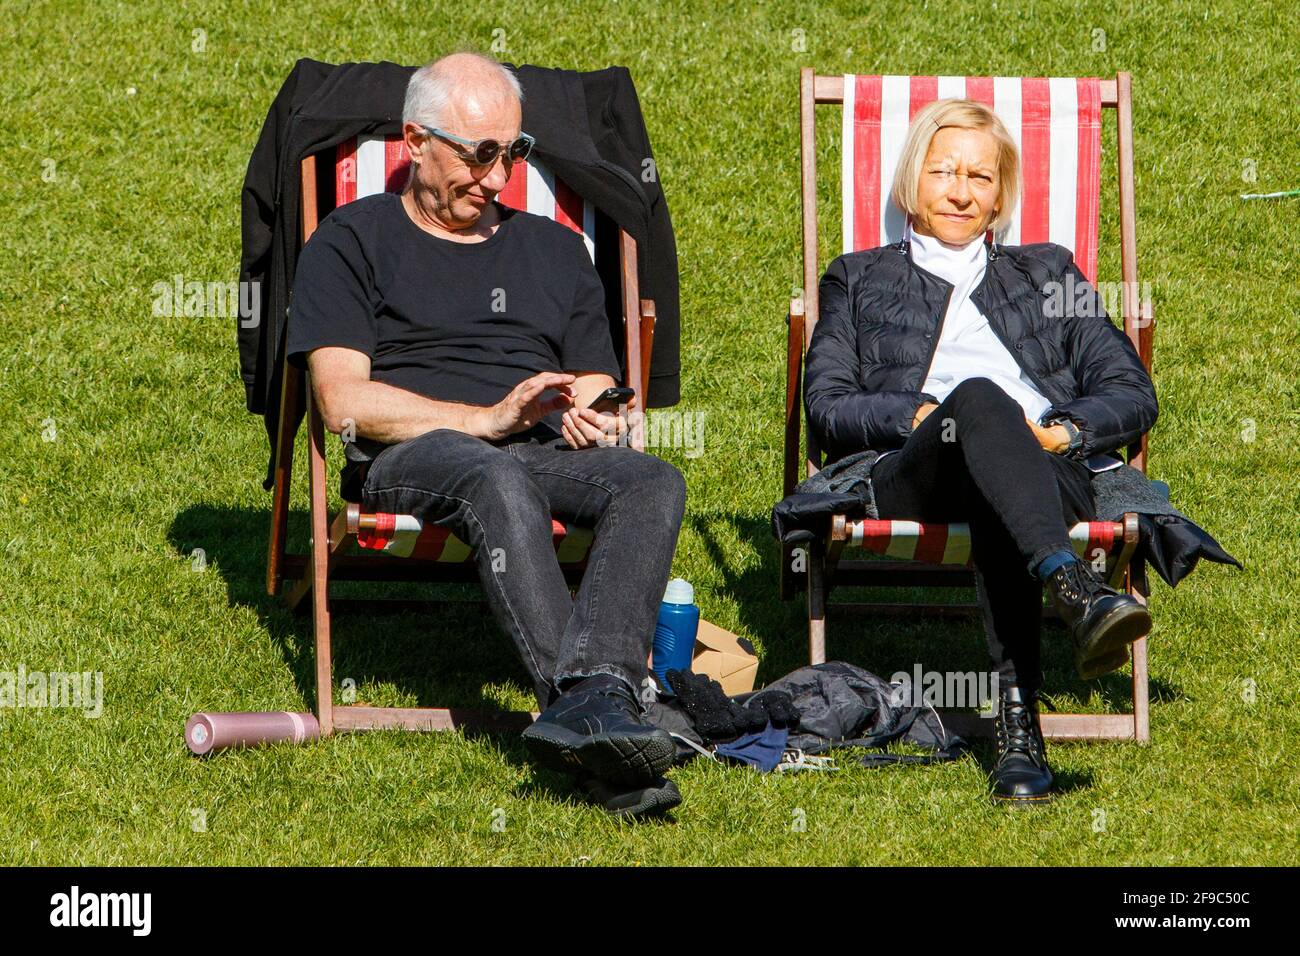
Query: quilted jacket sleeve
[[842, 416], [1116, 404]]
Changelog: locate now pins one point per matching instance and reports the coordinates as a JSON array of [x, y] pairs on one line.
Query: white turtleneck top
[[968, 347]]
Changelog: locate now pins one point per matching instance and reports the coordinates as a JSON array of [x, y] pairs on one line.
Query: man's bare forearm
[[390, 415]]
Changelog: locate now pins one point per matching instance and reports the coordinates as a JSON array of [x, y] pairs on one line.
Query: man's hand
[[1054, 439], [922, 413], [525, 406], [584, 428]]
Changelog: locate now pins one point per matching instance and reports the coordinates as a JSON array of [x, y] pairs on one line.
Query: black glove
[[777, 706], [718, 718]]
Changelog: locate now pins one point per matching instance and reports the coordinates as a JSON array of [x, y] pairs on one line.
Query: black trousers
[[499, 499], [974, 459]]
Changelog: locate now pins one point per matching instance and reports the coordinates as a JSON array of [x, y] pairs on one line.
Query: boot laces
[[1018, 731], [1093, 582], [1071, 582]]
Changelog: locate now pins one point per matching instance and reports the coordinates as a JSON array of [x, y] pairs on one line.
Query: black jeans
[[974, 459], [499, 499]]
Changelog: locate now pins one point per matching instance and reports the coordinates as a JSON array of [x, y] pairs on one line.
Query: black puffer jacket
[[880, 321]]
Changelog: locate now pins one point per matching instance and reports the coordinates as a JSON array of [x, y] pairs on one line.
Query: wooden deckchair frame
[[311, 573], [825, 568]]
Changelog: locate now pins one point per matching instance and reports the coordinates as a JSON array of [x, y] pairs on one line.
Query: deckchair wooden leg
[[301, 588], [816, 604], [320, 553], [638, 324], [1128, 575], [834, 551], [338, 539], [647, 343], [1141, 679], [1141, 715]]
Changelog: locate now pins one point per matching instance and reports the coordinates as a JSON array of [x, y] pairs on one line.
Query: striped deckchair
[[1056, 123], [361, 167]]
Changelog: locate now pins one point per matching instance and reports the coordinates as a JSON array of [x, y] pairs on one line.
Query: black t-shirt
[[459, 322]]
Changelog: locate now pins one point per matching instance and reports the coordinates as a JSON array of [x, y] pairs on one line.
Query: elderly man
[[464, 342]]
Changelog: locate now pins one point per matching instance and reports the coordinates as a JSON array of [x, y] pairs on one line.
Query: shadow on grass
[[457, 657], [885, 645], [982, 752], [451, 656], [557, 787], [1063, 781]]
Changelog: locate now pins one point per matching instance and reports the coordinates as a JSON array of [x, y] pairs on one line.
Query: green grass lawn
[[124, 149]]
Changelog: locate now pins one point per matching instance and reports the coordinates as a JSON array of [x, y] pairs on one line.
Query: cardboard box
[[726, 658]]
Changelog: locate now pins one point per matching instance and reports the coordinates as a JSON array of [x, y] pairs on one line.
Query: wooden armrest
[[647, 345]]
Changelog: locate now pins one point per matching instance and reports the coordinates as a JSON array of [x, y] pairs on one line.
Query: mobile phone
[[608, 401]]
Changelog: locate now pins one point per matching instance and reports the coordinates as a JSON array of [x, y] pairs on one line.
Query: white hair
[[431, 87]]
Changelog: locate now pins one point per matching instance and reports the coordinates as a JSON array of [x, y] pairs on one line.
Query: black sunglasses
[[484, 152]]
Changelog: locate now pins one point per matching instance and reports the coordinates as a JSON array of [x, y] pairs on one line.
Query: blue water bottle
[[679, 619]]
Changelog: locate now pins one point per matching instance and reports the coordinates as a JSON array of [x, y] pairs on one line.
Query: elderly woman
[[986, 407]]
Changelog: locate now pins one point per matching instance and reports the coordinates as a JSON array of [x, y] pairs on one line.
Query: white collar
[[953, 265]]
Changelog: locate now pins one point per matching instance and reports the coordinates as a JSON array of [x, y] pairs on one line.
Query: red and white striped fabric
[[938, 543], [374, 164], [1055, 122], [406, 536]]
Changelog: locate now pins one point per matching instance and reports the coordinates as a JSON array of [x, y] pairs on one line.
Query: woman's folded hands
[[1054, 438]]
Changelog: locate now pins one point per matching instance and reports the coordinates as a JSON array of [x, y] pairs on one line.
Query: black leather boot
[[1020, 774], [1102, 621]]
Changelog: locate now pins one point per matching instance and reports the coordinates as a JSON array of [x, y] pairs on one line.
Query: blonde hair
[[959, 114]]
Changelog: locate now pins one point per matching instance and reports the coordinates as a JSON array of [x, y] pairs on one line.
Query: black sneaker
[[1020, 773], [595, 730], [1102, 621], [659, 797]]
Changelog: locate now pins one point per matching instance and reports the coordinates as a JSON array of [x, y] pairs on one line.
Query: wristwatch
[[1076, 437]]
